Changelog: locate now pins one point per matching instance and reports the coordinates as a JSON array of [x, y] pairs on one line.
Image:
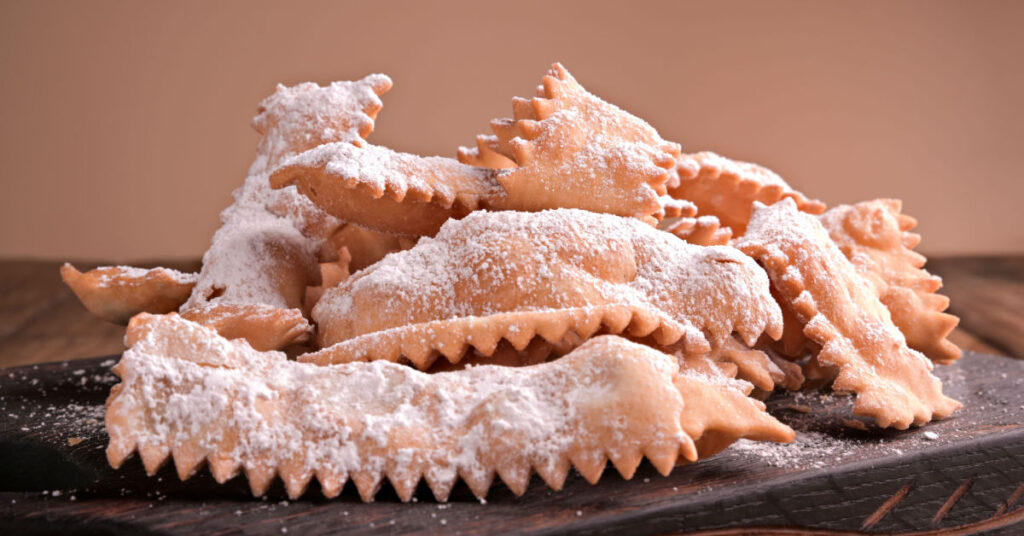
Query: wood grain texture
[[987, 293], [957, 475], [835, 480], [41, 320]]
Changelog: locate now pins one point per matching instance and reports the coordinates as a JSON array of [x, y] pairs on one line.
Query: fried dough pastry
[[385, 190], [569, 148], [574, 150], [331, 275], [364, 246], [714, 429], [516, 275], [264, 255], [727, 189], [189, 394], [117, 293], [262, 326], [699, 230], [842, 313], [758, 367], [876, 238]]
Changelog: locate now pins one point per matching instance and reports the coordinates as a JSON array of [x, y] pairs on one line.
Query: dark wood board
[[964, 474]]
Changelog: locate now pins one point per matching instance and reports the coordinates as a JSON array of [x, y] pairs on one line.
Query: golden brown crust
[[842, 313], [332, 273], [876, 238], [117, 293]]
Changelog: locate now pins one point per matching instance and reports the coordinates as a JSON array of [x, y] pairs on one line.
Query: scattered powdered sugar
[[383, 169], [76, 422], [266, 233], [109, 275], [298, 118], [809, 450]]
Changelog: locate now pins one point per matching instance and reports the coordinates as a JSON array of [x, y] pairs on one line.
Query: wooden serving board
[[961, 475]]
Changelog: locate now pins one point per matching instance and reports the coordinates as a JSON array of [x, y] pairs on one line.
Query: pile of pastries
[[571, 290]]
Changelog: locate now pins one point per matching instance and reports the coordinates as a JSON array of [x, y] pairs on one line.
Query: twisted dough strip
[[728, 189], [189, 394], [842, 313], [517, 275], [877, 240], [570, 149], [265, 253], [117, 293]]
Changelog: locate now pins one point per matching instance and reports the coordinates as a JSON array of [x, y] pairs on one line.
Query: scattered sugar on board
[[810, 449]]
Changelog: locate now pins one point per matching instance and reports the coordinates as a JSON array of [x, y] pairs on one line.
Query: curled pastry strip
[[728, 189], [265, 252], [569, 149], [190, 395], [842, 313], [876, 238], [519, 275], [117, 293]]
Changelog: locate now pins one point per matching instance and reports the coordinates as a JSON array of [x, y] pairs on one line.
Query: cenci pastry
[[571, 291]]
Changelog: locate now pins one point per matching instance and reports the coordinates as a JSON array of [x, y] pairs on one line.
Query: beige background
[[124, 125]]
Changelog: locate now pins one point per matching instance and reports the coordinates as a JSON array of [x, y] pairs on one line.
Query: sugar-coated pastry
[[876, 238], [841, 312], [188, 394], [519, 275], [117, 293]]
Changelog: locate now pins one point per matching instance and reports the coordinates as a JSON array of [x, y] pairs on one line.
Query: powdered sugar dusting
[[196, 387], [497, 262], [109, 275], [268, 235], [382, 170]]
